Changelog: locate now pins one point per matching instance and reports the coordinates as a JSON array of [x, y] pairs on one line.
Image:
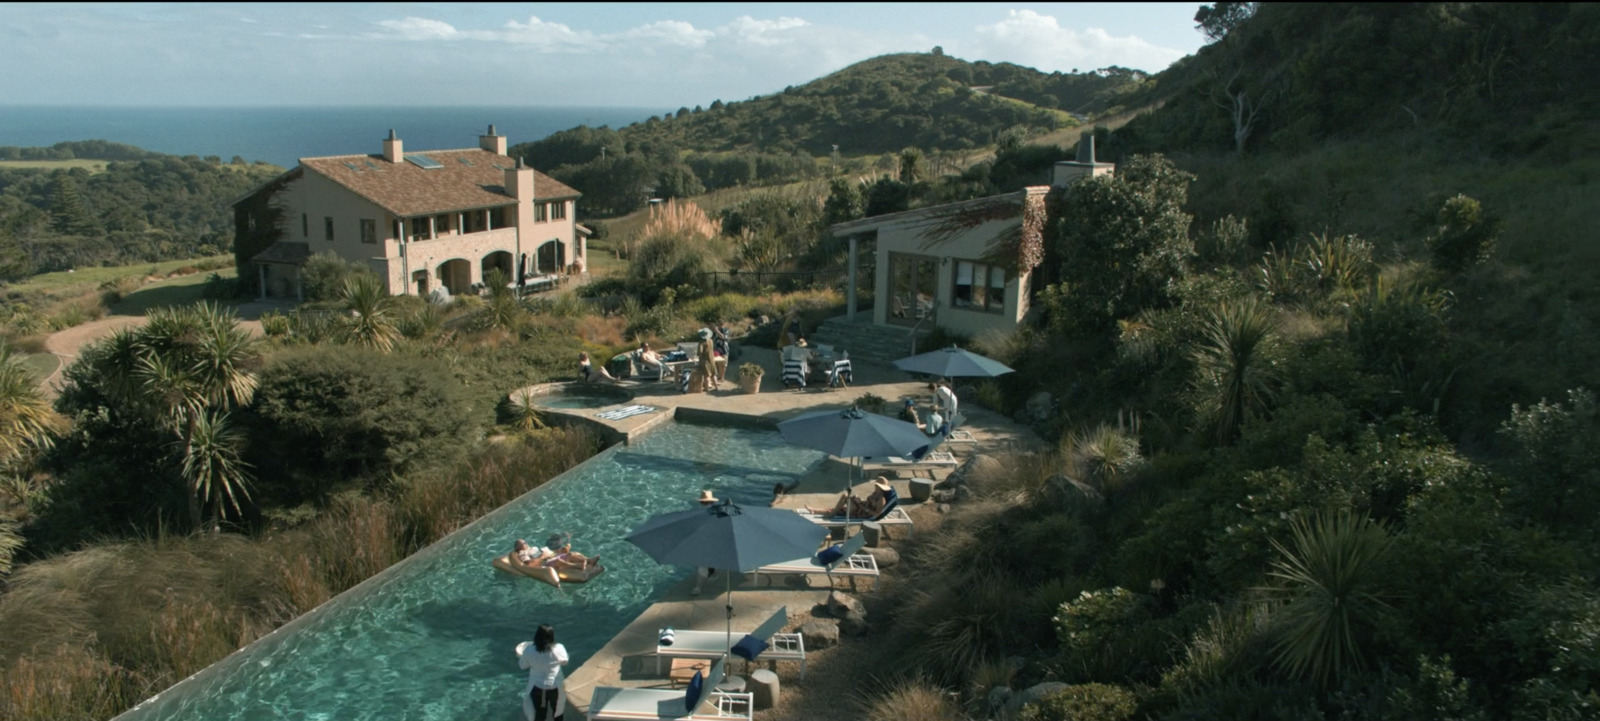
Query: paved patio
[[628, 660]]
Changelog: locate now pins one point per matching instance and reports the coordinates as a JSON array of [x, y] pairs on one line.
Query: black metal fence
[[788, 280]]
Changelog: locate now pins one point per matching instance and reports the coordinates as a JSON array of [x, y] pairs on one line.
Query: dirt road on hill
[[67, 344]]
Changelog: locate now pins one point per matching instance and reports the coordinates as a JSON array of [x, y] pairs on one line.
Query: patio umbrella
[[853, 434], [953, 362], [728, 537]]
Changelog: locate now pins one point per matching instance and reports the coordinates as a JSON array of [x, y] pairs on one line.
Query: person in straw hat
[[868, 507]]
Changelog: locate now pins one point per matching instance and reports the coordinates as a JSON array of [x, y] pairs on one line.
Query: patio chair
[[794, 374], [698, 702], [765, 642], [840, 375], [838, 560]]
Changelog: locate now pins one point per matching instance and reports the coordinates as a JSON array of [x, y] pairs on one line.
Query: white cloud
[[1029, 38], [421, 29], [761, 32], [671, 32]]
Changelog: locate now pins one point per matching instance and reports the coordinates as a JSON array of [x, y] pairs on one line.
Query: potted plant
[[750, 377]]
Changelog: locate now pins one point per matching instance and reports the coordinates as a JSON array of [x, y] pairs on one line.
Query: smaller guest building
[[421, 220], [936, 266]]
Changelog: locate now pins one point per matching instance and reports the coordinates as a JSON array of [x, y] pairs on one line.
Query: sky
[[567, 54]]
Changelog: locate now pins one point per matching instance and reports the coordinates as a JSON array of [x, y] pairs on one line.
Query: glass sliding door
[[913, 287]]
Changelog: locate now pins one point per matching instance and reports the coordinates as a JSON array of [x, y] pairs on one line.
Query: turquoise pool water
[[433, 638]]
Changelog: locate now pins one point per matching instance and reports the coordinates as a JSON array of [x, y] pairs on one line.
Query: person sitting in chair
[[908, 413], [868, 507], [649, 361]]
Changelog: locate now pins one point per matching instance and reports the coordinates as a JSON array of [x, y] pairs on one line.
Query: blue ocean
[[282, 136]]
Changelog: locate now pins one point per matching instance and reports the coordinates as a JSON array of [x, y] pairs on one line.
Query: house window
[[497, 218], [540, 213], [979, 287], [369, 231], [327, 227], [441, 224], [558, 211], [305, 226], [419, 228]]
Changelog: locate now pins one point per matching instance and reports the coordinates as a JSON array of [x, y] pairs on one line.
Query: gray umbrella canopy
[[953, 362], [853, 433], [728, 536]]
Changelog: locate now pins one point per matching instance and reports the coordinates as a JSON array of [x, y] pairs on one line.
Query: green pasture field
[[93, 277], [182, 290]]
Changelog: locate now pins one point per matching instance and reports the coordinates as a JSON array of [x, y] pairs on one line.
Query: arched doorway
[[552, 257], [498, 260], [456, 275]]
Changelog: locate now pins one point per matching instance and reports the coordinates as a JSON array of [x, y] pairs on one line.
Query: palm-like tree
[[184, 366], [212, 466], [1331, 584], [1234, 378], [26, 420], [503, 310], [371, 321]]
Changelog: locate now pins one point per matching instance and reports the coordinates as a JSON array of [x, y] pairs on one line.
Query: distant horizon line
[[318, 107]]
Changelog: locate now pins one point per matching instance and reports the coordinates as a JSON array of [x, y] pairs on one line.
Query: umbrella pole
[[727, 655]]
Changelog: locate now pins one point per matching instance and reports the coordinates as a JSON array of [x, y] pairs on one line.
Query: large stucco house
[[937, 265], [422, 220]]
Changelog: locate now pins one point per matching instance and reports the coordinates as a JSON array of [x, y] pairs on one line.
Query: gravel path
[[66, 344]]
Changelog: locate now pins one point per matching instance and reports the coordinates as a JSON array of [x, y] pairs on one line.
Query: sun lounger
[[716, 644], [633, 704], [933, 460], [848, 563], [891, 515]]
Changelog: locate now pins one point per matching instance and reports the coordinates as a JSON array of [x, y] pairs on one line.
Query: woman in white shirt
[[543, 699]]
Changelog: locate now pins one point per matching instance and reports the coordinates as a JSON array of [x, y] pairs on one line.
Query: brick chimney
[[393, 151], [519, 182], [493, 143]]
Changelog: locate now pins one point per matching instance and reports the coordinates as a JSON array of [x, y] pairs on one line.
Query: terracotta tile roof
[[284, 251], [406, 189]]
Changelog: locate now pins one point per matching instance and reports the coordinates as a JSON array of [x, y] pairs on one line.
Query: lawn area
[[41, 364], [93, 166], [91, 278], [181, 290]]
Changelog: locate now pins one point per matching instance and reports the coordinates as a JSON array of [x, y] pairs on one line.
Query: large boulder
[[820, 633], [886, 557], [841, 605], [1030, 695], [981, 468], [995, 702]]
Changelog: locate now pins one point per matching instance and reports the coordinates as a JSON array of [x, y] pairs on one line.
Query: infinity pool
[[434, 636]]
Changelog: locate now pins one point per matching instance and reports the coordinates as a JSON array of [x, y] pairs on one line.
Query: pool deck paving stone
[[628, 660]]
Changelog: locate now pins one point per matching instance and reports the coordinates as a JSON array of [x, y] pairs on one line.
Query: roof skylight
[[424, 162]]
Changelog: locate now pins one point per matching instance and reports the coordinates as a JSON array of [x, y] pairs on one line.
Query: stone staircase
[[865, 341]]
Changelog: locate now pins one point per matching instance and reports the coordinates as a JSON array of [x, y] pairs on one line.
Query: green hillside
[[838, 124], [133, 206]]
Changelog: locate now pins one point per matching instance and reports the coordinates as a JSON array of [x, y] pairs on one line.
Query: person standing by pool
[[543, 699]]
